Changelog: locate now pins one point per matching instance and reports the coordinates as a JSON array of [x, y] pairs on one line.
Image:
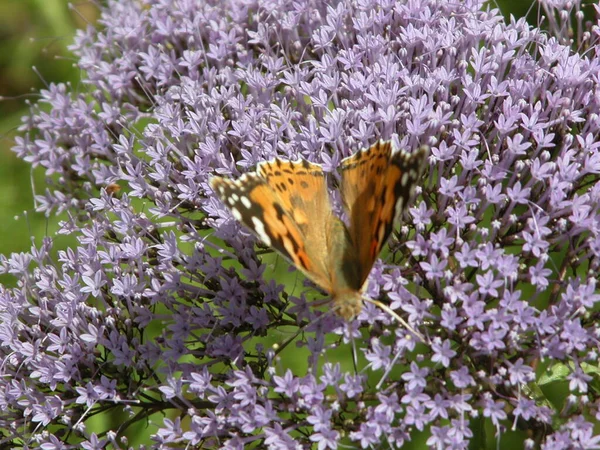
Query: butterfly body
[[286, 204], [344, 270]]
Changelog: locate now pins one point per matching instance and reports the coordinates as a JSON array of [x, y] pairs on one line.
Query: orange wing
[[377, 185], [286, 205]]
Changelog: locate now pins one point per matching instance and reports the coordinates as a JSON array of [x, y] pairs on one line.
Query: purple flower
[[434, 268], [368, 434], [415, 378], [380, 355], [443, 352], [578, 380], [320, 419], [352, 385], [494, 410], [288, 384], [326, 439], [519, 373], [165, 304]]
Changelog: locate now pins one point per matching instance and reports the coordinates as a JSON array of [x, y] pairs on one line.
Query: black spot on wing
[[411, 164], [279, 210], [387, 222]]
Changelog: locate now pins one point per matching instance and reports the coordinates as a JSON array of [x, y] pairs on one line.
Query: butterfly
[[286, 205]]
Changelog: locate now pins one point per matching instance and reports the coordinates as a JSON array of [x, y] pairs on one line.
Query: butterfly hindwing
[[286, 205], [376, 186]]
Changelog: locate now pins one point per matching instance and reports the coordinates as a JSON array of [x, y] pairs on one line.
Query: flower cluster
[[168, 312]]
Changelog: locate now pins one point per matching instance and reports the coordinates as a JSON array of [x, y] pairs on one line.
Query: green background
[[34, 35]]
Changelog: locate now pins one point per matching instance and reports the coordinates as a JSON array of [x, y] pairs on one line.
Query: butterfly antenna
[[400, 320], [352, 341], [387, 371], [354, 353]]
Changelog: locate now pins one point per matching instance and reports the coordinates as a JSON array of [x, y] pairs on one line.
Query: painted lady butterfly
[[286, 204]]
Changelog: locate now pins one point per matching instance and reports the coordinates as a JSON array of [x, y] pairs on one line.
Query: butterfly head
[[348, 304]]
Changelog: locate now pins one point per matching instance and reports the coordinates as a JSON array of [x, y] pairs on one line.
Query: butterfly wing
[[286, 205], [376, 187]]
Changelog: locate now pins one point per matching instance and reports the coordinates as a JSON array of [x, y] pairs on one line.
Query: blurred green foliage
[[34, 35]]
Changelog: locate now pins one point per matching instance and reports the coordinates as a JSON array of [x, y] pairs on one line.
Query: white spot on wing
[[246, 202], [259, 229], [404, 180], [236, 214]]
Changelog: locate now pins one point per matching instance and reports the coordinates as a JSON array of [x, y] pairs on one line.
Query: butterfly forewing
[[286, 204], [376, 186]]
